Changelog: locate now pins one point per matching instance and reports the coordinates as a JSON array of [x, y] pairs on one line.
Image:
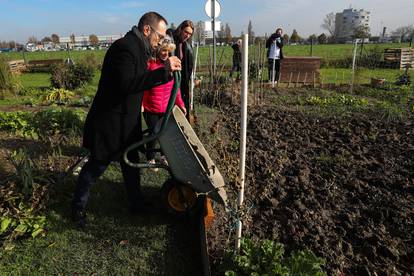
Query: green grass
[[35, 80], [327, 51], [362, 75], [76, 55], [115, 242]]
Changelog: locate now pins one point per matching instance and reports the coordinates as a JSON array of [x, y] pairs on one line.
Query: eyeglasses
[[188, 33], [160, 37]]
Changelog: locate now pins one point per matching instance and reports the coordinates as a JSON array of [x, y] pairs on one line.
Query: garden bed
[[339, 186]]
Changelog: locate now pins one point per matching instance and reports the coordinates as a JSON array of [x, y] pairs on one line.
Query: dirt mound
[[342, 187]]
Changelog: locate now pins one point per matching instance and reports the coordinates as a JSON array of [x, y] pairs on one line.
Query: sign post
[[212, 9]]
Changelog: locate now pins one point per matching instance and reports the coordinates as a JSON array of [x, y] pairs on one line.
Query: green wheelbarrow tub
[[188, 160]]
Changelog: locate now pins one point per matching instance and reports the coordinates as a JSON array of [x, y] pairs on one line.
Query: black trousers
[[151, 119], [185, 95], [235, 68], [93, 169], [277, 68]]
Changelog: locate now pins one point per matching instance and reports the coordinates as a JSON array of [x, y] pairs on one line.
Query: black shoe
[[79, 217]]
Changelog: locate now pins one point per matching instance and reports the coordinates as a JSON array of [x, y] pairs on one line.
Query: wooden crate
[[303, 70], [17, 66], [399, 57]]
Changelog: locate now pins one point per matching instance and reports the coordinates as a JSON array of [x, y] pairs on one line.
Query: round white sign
[[209, 8]]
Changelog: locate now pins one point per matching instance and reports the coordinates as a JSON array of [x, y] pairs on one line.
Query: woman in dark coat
[[114, 120], [184, 51], [237, 58]]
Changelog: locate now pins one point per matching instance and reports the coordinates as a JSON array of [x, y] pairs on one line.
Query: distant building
[[83, 41], [347, 21]]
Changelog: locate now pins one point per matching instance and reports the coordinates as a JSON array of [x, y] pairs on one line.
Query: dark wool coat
[[114, 120], [237, 55], [280, 44], [186, 69]]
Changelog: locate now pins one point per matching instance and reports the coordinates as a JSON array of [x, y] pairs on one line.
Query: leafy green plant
[[267, 258], [22, 198], [389, 111], [71, 76], [54, 121], [337, 100], [16, 122], [59, 96], [43, 124]]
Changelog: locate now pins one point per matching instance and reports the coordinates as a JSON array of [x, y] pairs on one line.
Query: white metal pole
[[243, 125], [213, 13], [353, 64], [192, 81], [274, 61]]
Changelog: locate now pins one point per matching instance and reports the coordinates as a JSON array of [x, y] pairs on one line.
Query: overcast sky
[[20, 19]]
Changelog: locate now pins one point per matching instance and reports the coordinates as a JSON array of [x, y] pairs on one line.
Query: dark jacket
[[279, 44], [237, 55], [186, 70], [186, 61], [114, 120]]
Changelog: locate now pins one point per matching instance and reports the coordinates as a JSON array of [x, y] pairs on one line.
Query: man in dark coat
[[275, 54], [184, 51], [237, 58], [114, 120]]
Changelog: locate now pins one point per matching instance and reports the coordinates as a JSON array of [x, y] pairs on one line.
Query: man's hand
[[173, 64]]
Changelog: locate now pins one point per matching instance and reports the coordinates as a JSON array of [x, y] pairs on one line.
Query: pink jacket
[[156, 99]]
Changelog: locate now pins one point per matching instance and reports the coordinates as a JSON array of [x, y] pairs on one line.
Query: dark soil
[[342, 187]]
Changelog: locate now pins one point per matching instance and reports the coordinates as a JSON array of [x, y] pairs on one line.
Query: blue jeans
[[93, 169]]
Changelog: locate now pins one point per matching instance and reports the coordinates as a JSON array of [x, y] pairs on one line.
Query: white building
[[348, 20], [83, 40]]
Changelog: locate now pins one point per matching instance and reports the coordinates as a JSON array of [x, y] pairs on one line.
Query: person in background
[[275, 54], [184, 51], [237, 58], [114, 121], [156, 99]]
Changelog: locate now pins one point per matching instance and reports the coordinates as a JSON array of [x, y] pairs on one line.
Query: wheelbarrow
[[192, 171]]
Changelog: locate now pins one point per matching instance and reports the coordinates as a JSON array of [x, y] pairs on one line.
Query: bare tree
[[198, 35], [72, 38], [361, 32], [286, 38], [322, 39], [295, 38], [403, 32], [250, 32], [312, 38], [55, 38], [229, 38], [32, 39], [93, 39], [329, 24], [46, 39], [221, 35]]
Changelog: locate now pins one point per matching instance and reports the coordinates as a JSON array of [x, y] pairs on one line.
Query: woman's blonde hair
[[168, 44]]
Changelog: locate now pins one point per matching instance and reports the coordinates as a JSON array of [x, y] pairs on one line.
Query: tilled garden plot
[[340, 187]]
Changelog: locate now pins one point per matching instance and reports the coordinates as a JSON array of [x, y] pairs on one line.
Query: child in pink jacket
[[155, 101]]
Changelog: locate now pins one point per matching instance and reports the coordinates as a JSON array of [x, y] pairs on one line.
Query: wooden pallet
[[17, 66], [400, 57], [303, 70]]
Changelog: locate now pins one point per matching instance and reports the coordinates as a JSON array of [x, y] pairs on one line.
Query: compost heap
[[340, 187]]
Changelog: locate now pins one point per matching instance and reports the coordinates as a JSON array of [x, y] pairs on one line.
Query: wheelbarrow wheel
[[178, 199]]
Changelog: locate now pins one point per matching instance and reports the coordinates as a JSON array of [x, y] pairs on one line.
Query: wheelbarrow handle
[[146, 140]]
